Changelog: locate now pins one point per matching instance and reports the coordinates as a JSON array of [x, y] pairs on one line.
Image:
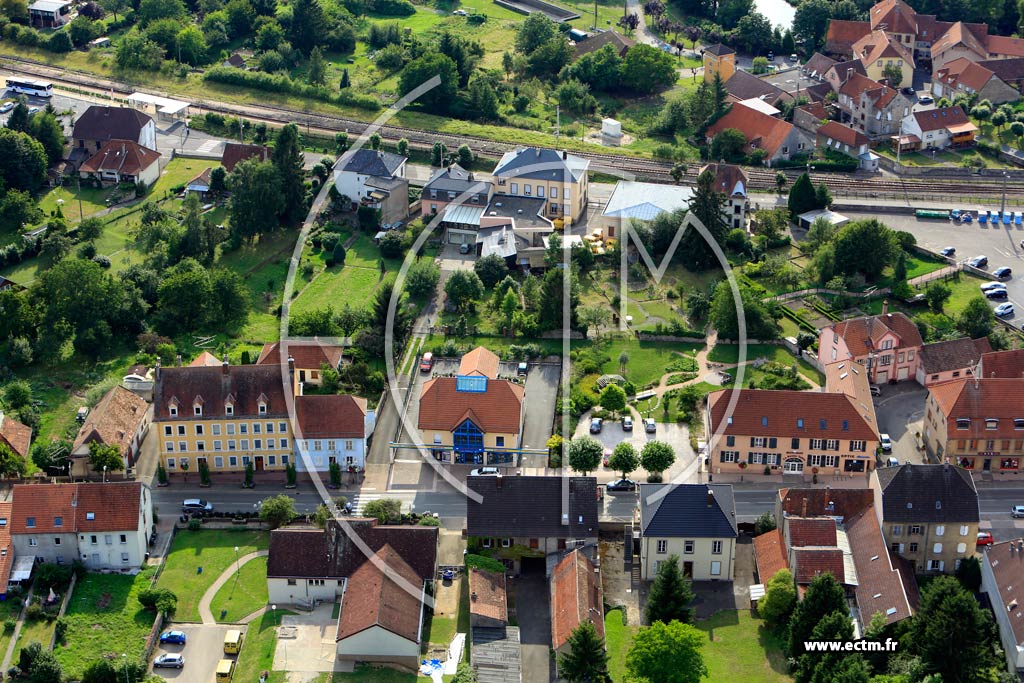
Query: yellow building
[[559, 178], [879, 51], [719, 59], [227, 417]]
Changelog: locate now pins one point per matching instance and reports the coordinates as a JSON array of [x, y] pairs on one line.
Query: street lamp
[[273, 608], [124, 660], [104, 474], [1002, 207], [236, 563]]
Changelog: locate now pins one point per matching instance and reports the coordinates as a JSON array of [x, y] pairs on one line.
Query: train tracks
[[839, 184]]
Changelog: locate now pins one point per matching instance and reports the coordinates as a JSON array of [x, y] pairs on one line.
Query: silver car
[[1017, 511], [169, 661]]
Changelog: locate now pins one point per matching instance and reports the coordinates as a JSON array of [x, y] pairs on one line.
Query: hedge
[[798, 319], [280, 83]]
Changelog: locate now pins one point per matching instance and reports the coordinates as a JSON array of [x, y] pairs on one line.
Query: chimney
[[849, 73], [565, 155], [291, 366], [157, 371], [885, 306], [224, 368], [711, 498], [179, 360]]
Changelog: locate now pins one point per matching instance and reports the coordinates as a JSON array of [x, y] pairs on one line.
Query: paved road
[[534, 613], [205, 647]]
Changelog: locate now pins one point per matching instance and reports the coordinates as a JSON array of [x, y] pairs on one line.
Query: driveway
[[900, 411], [204, 648], [452, 260], [533, 608], [306, 645], [541, 391]]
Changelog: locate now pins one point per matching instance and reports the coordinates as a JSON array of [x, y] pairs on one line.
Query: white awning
[[163, 105], [22, 570], [757, 591]]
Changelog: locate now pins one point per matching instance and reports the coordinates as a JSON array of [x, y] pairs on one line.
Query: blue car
[[173, 637]]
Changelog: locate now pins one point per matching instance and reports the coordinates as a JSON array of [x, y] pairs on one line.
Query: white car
[[1004, 310], [460, 13], [885, 442], [1017, 511], [6, 107], [989, 286], [484, 472]]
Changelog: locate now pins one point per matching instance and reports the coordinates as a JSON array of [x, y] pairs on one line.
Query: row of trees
[[585, 455]]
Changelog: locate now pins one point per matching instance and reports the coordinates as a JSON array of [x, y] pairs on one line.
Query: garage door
[[882, 377], [902, 373]]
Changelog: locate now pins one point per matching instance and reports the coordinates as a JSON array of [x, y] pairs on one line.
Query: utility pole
[[81, 213], [899, 143], [595, 15], [558, 122], [1002, 206]]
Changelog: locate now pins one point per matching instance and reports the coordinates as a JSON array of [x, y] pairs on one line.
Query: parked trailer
[[932, 213]]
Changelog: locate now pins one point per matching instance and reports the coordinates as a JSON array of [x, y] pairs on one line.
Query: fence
[[948, 172], [789, 296], [63, 607]]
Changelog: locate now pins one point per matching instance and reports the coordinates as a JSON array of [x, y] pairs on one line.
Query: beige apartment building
[[559, 178]]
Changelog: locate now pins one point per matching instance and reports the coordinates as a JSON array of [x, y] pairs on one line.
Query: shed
[[836, 219]]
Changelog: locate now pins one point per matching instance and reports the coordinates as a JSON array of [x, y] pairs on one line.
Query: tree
[[822, 196], [667, 653], [670, 595], [424, 68], [317, 71], [154, 10], [15, 10], [593, 317], [754, 32], [646, 68], [998, 119], [586, 660], [491, 270], [22, 161], [613, 398], [894, 74], [11, 464], [385, 510], [422, 278], [288, 162], [465, 673], [728, 145], [707, 205], [760, 317], [277, 510], [779, 599], [509, 307], [811, 21], [437, 154], [937, 294], [764, 523], [551, 308], [821, 666], [864, 246], [969, 574], [780, 181], [218, 180], [50, 133], [462, 288], [507, 64], [18, 208], [534, 31], [624, 459], [585, 454], [657, 456], [345, 82], [484, 99], [802, 197], [600, 69], [256, 198], [731, 11], [976, 319], [45, 668], [402, 147], [1017, 129], [951, 634], [375, 140], [824, 596], [105, 457], [307, 27], [19, 119]]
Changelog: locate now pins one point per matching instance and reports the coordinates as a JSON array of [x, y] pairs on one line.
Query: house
[[976, 423], [576, 598], [636, 201], [879, 51], [619, 43], [953, 359], [807, 218], [15, 435], [941, 128], [1009, 70], [778, 139], [49, 13], [962, 76], [123, 161], [104, 525], [488, 605], [695, 522], [731, 181], [973, 42], [473, 417], [375, 179], [227, 417], [6, 550], [1002, 568], [200, 184], [851, 379], [382, 594], [840, 72], [557, 177], [818, 65], [889, 345], [929, 513], [743, 86], [454, 184], [788, 430], [332, 429], [718, 59], [841, 36], [840, 138], [100, 124], [235, 152], [870, 107], [810, 117], [896, 18], [307, 357], [1005, 364], [521, 521], [119, 419]]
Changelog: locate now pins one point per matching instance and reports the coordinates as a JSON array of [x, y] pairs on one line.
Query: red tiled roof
[[487, 596], [842, 34], [121, 156], [881, 586], [327, 416], [114, 506], [844, 502], [729, 178], [954, 354], [760, 130], [498, 409], [206, 360], [787, 414], [815, 109], [863, 334], [962, 71], [880, 45], [894, 16], [980, 400], [1008, 571], [15, 434], [959, 33], [844, 134], [814, 531], [479, 361], [1007, 364], [575, 597], [114, 421], [381, 598], [811, 562], [1004, 45], [235, 152], [769, 554], [307, 355], [952, 118]]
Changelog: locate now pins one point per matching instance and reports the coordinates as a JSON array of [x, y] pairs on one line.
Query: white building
[[643, 202], [374, 178], [1002, 568], [332, 429]]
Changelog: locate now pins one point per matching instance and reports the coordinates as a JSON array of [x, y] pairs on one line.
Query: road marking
[[208, 146]]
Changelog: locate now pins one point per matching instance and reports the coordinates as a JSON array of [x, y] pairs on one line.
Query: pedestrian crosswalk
[[208, 146], [359, 501]]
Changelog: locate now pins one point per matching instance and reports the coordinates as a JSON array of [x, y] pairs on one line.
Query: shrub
[[195, 525], [486, 563], [279, 83], [60, 629], [430, 521]]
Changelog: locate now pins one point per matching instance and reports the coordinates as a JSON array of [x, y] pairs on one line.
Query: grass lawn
[[258, 653], [105, 619], [647, 359], [439, 631], [729, 353], [618, 637], [93, 201], [8, 610], [740, 648], [337, 285], [243, 595], [38, 630], [214, 551]]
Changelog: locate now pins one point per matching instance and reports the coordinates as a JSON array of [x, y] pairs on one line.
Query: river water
[[779, 12]]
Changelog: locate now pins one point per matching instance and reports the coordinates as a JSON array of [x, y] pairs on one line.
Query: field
[[105, 619], [213, 551]]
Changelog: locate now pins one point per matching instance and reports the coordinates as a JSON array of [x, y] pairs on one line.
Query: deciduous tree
[[463, 288], [667, 653], [657, 456], [824, 596], [779, 599], [277, 510], [256, 198], [585, 454], [624, 459], [105, 457]]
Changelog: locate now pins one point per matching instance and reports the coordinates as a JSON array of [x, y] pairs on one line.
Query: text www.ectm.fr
[[850, 645]]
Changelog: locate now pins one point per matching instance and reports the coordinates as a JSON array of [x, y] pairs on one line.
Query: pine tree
[[802, 197], [823, 597], [720, 95], [822, 197], [707, 204], [317, 74], [586, 661], [288, 162], [670, 595], [345, 80]]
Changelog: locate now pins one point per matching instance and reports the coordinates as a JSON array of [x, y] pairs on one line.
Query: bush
[[279, 83], [430, 521], [486, 563], [60, 629], [195, 524]]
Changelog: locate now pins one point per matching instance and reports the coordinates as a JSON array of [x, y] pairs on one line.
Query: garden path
[[204, 604]]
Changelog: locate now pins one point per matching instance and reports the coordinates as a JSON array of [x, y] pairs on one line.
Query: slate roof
[[307, 553], [744, 86], [125, 157], [329, 416], [110, 123], [595, 42], [786, 413], [370, 162], [1007, 364], [811, 531], [954, 354], [927, 494], [498, 409], [811, 562], [455, 179], [863, 334], [759, 130], [113, 421], [541, 164], [15, 434], [690, 510], [374, 597], [575, 597], [307, 355], [730, 179], [841, 502], [1008, 571], [718, 50], [818, 64], [487, 597], [938, 119], [519, 506], [845, 70], [244, 385], [114, 506], [979, 401], [234, 152], [769, 554], [881, 581]]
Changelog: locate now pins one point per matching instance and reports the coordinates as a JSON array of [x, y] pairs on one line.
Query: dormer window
[[963, 423], [991, 423], [30, 522], [58, 521], [173, 410], [263, 408], [197, 410], [90, 516], [1018, 423], [229, 408]]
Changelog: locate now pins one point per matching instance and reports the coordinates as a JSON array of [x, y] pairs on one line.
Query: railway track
[[839, 184]]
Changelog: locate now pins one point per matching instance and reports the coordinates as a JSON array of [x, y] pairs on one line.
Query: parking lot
[[612, 434], [203, 649], [900, 413]]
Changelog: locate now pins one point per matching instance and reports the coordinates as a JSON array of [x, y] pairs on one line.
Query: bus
[[28, 86]]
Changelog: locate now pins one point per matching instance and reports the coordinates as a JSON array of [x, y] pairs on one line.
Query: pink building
[[889, 345]]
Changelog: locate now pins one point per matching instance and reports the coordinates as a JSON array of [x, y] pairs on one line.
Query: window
[[282, 427], [291, 582], [33, 542], [487, 543], [896, 547], [991, 423], [181, 430], [662, 547], [244, 444], [184, 463], [200, 445], [897, 530], [231, 429], [817, 444], [832, 445], [1018, 423], [886, 359], [108, 539], [730, 456], [56, 540], [170, 463], [716, 547], [245, 459], [257, 444], [169, 431], [940, 530], [554, 207], [124, 558], [183, 447], [231, 444], [716, 568], [937, 548], [515, 188], [217, 443], [270, 428], [963, 529], [961, 547], [284, 458], [218, 462], [283, 444], [93, 539], [499, 441], [554, 192], [270, 444], [271, 459], [757, 441], [795, 444], [730, 441], [314, 582], [858, 446], [233, 460], [540, 190], [263, 409], [229, 409], [688, 547], [30, 522], [257, 428], [963, 423], [173, 410], [349, 445], [197, 410], [915, 530], [913, 547], [243, 428], [216, 429], [58, 521]]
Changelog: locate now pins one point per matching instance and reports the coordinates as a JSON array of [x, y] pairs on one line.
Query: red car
[[985, 538]]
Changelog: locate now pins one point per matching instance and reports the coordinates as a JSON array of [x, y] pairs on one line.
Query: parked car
[[484, 472], [908, 90], [925, 100], [627, 424], [595, 425], [948, 252], [1004, 310], [978, 261], [6, 107], [463, 248], [989, 286], [196, 505], [985, 538], [173, 637], [169, 661], [996, 294], [621, 485], [876, 391], [1017, 511], [650, 426], [1004, 273], [892, 462], [522, 369], [32, 111], [427, 362], [460, 13], [885, 442]]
